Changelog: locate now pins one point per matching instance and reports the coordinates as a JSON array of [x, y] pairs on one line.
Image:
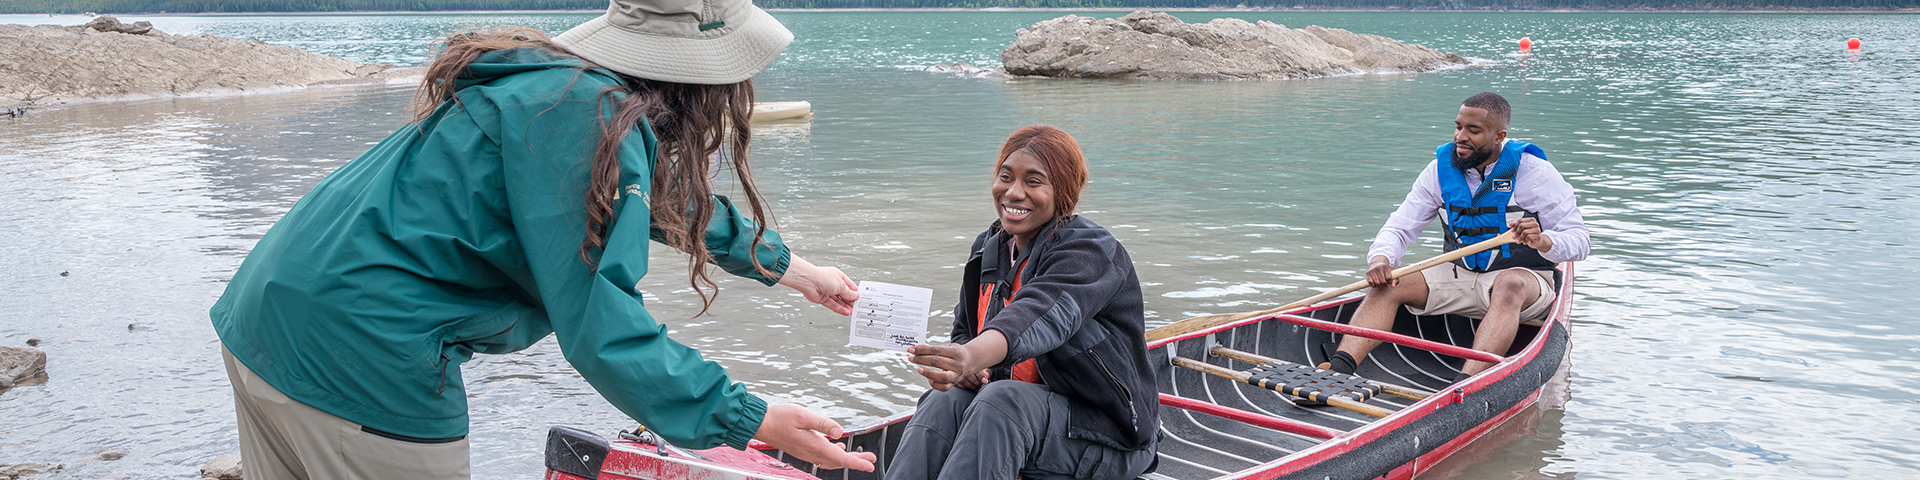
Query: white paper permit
[[890, 317]]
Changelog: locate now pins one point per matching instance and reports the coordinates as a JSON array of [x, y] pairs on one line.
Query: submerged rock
[[1156, 45], [22, 366], [965, 69], [24, 470], [224, 467], [111, 455], [109, 59]]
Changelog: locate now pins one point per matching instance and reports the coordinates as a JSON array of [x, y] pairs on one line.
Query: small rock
[[370, 69], [33, 342], [129, 327], [111, 455], [106, 23], [24, 470], [966, 69], [957, 67], [63, 274], [21, 365], [224, 467]]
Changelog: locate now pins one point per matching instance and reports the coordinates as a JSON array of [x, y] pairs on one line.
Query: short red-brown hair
[[1066, 167]]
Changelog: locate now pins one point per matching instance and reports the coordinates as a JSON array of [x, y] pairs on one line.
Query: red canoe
[[1397, 421]]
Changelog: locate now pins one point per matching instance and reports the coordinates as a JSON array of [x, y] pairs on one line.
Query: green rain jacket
[[461, 234]]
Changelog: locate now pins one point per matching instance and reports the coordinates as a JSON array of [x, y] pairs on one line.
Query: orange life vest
[[1026, 371]]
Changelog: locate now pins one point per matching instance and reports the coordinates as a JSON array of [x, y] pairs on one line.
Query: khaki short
[[1459, 291], [281, 438]]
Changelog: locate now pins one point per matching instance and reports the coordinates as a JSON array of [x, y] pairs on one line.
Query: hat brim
[[738, 55]]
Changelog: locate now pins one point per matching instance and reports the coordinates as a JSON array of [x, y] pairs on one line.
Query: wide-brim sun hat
[[714, 42]]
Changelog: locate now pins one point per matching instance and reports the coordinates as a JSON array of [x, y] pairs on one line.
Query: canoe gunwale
[[1307, 463]]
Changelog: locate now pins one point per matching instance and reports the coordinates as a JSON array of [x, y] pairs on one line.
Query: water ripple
[[1749, 186]]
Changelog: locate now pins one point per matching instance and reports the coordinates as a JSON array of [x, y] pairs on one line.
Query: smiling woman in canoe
[[1047, 376]]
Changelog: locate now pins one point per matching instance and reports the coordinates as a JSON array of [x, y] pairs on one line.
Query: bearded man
[[1480, 186]]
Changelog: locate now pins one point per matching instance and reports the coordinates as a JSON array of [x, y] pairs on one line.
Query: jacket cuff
[[1012, 352], [1559, 252], [751, 412], [1383, 251], [782, 258]]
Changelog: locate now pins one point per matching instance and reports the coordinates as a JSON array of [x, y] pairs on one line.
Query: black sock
[[1342, 362]]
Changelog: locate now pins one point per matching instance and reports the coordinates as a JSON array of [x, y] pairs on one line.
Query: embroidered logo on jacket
[[635, 190]]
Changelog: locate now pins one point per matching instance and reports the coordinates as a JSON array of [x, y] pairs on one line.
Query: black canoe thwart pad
[[1311, 383], [575, 452]]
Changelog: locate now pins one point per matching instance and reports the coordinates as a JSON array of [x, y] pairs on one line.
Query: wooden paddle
[[1204, 322]]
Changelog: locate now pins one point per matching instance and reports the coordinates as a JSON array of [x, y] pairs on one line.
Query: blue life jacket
[[1472, 216]]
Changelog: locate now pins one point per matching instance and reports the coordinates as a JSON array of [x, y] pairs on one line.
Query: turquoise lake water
[[1749, 182]]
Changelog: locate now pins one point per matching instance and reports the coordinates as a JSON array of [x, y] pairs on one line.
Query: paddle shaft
[[1209, 321]]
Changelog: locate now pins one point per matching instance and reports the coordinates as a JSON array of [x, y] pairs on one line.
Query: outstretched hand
[[1526, 231], [825, 286], [797, 431], [964, 366], [942, 365]]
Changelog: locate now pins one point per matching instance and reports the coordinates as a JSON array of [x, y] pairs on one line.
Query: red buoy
[[1527, 43], [1852, 44]]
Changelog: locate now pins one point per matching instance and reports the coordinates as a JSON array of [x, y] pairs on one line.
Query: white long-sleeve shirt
[[1539, 189]]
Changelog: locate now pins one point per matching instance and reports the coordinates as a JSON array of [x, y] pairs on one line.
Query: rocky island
[[1154, 45], [107, 59]]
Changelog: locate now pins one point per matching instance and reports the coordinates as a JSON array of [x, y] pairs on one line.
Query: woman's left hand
[[825, 286]]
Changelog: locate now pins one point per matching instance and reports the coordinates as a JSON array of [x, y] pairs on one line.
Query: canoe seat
[[1311, 383]]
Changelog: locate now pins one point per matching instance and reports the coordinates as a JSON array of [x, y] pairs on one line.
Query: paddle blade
[[1193, 324]]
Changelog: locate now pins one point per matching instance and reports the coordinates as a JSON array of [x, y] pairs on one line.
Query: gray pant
[[283, 439], [1008, 429]]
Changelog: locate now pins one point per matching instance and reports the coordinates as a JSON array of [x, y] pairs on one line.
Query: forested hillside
[[196, 6]]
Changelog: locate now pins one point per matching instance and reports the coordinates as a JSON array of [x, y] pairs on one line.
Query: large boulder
[[21, 366], [1156, 45], [106, 59]]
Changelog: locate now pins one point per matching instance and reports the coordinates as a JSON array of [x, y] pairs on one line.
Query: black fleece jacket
[[1079, 313]]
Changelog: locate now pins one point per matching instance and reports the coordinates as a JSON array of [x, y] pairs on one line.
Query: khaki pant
[[284, 439], [1459, 291]]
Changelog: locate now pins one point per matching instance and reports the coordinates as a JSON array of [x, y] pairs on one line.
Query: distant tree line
[[218, 6], [1356, 4]]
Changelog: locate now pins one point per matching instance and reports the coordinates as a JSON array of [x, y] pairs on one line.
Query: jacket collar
[[995, 271]]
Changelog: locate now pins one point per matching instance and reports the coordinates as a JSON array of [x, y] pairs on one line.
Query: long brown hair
[[700, 127], [1059, 153]]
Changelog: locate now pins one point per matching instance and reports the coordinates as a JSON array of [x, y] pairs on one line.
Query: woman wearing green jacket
[[520, 203]]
